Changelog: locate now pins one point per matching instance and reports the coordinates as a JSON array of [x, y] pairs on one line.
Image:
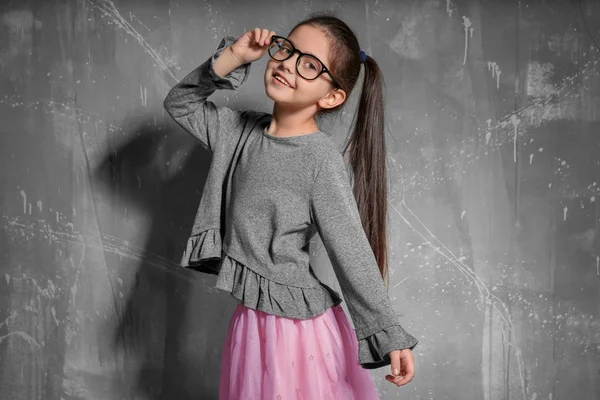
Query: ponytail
[[367, 158]]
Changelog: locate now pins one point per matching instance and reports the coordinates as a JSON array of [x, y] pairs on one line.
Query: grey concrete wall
[[494, 145]]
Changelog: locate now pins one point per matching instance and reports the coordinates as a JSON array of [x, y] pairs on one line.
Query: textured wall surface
[[494, 148]]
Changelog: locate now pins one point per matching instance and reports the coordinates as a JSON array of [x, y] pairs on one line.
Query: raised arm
[[187, 101], [336, 217]]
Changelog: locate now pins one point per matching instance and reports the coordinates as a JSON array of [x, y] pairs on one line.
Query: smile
[[281, 81]]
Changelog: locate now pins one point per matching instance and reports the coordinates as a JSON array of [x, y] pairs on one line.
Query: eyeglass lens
[[308, 67]]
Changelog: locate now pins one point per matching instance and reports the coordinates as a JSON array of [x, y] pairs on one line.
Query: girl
[[275, 180]]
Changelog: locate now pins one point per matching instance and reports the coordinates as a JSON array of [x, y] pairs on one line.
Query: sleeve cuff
[[373, 351], [235, 78]]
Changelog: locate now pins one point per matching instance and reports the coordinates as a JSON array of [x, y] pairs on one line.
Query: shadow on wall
[[168, 339]]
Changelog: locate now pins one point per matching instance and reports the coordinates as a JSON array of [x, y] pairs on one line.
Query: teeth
[[281, 80]]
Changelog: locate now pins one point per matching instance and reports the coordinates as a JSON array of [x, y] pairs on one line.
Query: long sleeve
[[337, 219], [187, 102]]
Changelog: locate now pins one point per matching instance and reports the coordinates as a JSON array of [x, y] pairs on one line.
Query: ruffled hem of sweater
[[257, 292], [203, 252], [373, 351]]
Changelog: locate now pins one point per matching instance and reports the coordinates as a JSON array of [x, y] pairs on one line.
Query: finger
[[405, 379], [410, 368], [399, 380], [259, 38], [395, 362], [393, 379], [257, 35], [266, 40]]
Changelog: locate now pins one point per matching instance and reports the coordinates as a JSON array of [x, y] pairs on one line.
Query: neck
[[292, 122]]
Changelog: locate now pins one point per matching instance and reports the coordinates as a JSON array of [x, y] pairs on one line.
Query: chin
[[269, 93], [274, 94]]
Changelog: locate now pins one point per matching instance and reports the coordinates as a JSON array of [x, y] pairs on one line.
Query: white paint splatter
[[485, 294], [565, 213], [493, 66], [109, 9], [48, 292], [548, 102], [488, 134], [53, 311], [498, 72], [24, 196], [143, 96], [23, 335], [448, 9], [530, 158], [515, 121], [467, 24], [63, 233]]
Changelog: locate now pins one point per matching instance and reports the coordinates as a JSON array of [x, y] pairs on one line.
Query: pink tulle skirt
[[270, 357]]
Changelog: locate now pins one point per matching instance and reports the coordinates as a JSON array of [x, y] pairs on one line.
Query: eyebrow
[[310, 54]]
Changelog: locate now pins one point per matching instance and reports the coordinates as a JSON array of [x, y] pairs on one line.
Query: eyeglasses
[[307, 66]]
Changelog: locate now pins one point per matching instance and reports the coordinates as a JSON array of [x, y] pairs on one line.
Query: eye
[[282, 49], [311, 65]]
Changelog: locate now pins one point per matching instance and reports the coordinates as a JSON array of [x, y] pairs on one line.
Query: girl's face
[[302, 93]]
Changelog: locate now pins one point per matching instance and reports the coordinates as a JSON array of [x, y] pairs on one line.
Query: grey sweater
[[264, 199]]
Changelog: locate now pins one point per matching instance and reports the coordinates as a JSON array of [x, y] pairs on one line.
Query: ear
[[332, 99]]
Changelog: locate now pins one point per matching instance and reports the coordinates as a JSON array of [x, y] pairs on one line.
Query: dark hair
[[366, 143]]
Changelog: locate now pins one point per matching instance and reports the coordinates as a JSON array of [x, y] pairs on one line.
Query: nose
[[290, 63]]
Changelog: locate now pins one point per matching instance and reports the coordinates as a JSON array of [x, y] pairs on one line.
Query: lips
[[282, 77]]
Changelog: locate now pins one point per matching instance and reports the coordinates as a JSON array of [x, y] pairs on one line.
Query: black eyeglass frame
[[300, 54]]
